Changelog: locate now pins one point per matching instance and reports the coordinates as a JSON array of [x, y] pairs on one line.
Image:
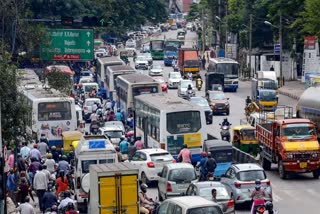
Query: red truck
[[290, 143], [188, 61]]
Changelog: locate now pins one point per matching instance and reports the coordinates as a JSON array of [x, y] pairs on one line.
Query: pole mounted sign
[[68, 44]]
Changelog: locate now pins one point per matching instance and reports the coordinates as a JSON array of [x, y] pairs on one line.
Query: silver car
[[175, 179], [156, 70], [240, 178], [148, 57], [173, 79]]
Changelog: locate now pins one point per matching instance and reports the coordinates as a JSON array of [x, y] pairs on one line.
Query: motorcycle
[[94, 127], [210, 176], [199, 84], [154, 208], [265, 207], [175, 68], [189, 93], [225, 132]]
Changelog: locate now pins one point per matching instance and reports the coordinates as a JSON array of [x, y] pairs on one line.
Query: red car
[[163, 83]]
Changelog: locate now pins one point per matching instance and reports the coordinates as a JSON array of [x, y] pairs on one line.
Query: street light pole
[[203, 33], [280, 41], [250, 44]]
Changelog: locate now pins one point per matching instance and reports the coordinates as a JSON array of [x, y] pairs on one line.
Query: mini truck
[[114, 189], [290, 143], [188, 61], [266, 99]]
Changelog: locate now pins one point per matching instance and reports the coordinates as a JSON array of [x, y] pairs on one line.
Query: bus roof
[[166, 101], [136, 78], [223, 60], [106, 60], [121, 68], [40, 93]]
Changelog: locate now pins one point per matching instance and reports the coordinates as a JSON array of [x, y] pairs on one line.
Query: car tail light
[[261, 209], [237, 185], [169, 187], [78, 183], [85, 108], [174, 161], [230, 203], [150, 164]]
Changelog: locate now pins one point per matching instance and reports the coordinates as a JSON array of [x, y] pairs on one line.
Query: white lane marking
[[276, 197]]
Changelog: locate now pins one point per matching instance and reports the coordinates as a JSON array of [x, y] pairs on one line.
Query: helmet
[[70, 206], [258, 184], [203, 154], [143, 187], [64, 157], [209, 155], [49, 156], [66, 194], [122, 137], [53, 147]]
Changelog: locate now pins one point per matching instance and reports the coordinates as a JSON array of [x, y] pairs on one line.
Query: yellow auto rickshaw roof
[[75, 143], [74, 135], [242, 127]]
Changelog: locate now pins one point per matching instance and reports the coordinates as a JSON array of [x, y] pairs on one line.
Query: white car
[[173, 79], [86, 80], [156, 70], [148, 57], [150, 162], [87, 107], [189, 26], [183, 88], [141, 62]]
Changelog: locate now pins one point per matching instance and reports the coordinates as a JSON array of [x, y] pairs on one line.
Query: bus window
[[54, 111], [183, 122]]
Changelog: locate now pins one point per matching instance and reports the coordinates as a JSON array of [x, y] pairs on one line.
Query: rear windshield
[[251, 175], [205, 210], [161, 157], [86, 163], [182, 175], [221, 192], [114, 134]]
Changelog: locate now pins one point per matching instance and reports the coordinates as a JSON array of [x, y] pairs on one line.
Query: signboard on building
[[68, 44], [231, 51], [310, 42], [276, 49]]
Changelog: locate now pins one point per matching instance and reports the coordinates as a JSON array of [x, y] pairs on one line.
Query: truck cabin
[[295, 129], [266, 95]]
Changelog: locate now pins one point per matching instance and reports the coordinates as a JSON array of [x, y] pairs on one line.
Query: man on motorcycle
[[145, 201], [94, 116], [257, 195], [210, 164], [190, 76], [67, 199], [201, 164], [63, 165], [225, 122], [199, 82]]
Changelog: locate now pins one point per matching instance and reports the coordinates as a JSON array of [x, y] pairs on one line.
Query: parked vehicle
[[243, 138], [241, 177], [175, 179], [188, 61], [218, 102], [150, 162], [204, 189], [222, 152], [189, 205], [114, 188], [290, 143]]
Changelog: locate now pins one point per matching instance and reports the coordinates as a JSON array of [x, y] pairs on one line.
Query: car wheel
[[144, 178], [316, 174], [159, 195], [282, 172], [266, 164], [228, 112]]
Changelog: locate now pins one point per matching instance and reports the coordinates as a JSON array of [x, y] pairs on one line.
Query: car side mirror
[[160, 174]]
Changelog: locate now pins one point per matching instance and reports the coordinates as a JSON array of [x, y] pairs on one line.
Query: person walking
[[24, 190], [35, 153], [139, 144], [25, 151], [185, 154], [40, 184], [62, 183], [43, 148], [203, 60], [26, 207], [50, 163], [11, 184], [10, 160], [49, 198], [21, 163]]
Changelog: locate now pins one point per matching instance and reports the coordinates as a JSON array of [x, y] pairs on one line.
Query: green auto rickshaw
[[243, 138]]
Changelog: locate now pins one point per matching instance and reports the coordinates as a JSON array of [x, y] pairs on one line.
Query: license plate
[[303, 164]]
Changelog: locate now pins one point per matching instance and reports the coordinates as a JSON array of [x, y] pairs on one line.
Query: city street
[[286, 193]]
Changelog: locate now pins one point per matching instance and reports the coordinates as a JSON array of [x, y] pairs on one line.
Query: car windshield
[[185, 84], [298, 130], [230, 70], [156, 67], [175, 76], [216, 96], [182, 175], [141, 58], [222, 193], [91, 102], [161, 157], [251, 175], [200, 101], [248, 134], [205, 210], [191, 63], [114, 134]]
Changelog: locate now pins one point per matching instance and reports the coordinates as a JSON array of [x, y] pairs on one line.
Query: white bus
[[131, 85], [168, 122], [51, 112], [230, 69], [102, 65], [111, 75]]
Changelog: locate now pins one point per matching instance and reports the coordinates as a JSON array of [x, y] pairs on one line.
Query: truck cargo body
[[291, 143], [266, 99], [213, 81], [188, 61], [114, 189]]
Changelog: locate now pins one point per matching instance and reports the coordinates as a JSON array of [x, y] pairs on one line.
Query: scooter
[[199, 84], [265, 207], [225, 132], [210, 176], [94, 127]]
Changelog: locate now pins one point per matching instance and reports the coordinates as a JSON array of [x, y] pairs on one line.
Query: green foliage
[[310, 18], [14, 110], [194, 12], [59, 80]]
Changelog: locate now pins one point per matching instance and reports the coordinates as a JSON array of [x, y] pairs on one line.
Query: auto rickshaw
[[69, 140], [221, 151], [124, 55], [243, 138]]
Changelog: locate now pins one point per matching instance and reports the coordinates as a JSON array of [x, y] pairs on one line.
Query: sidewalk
[[293, 89]]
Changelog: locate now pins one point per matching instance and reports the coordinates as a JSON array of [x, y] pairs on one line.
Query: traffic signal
[[96, 22], [67, 20]]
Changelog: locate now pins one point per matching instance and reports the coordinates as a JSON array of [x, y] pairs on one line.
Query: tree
[[59, 80], [310, 18]]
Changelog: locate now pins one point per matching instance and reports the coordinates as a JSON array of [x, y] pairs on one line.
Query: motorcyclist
[[248, 100], [190, 76], [145, 201], [225, 122], [63, 165], [201, 164], [210, 164], [94, 116], [67, 199], [70, 208], [199, 81], [257, 195]]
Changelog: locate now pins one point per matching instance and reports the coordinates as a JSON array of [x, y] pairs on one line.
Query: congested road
[[287, 194]]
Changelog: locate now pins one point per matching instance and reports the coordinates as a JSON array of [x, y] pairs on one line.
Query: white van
[[92, 149], [87, 87]]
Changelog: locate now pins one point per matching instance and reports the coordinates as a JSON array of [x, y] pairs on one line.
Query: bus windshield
[[183, 122], [50, 111], [230, 70], [157, 45], [138, 90]]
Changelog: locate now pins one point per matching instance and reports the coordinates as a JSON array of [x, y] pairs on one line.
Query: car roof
[[153, 151], [247, 166], [196, 98], [179, 165], [92, 99], [204, 184], [215, 92], [192, 201]]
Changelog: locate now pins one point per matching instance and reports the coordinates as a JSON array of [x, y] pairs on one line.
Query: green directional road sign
[[68, 44]]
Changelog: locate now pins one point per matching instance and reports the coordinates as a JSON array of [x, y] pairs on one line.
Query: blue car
[[221, 151]]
